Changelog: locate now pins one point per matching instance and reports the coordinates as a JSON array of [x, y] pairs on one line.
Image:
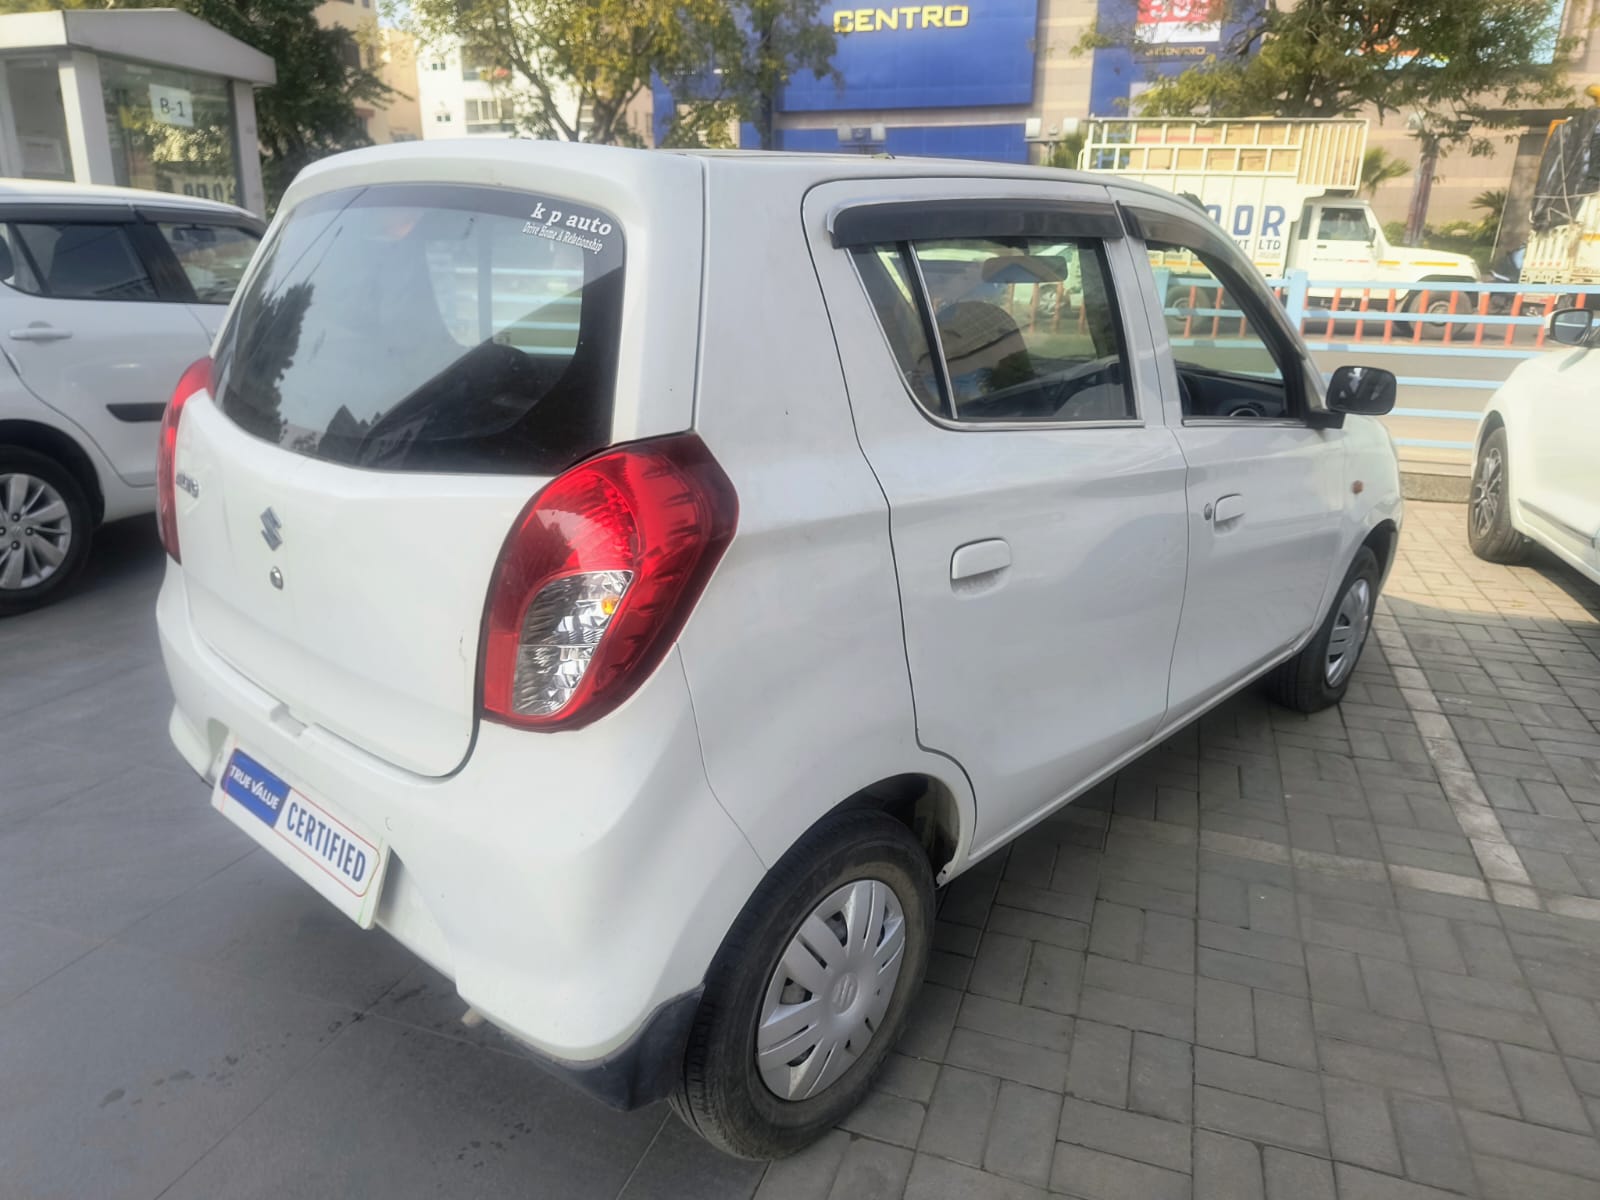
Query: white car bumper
[[573, 885]]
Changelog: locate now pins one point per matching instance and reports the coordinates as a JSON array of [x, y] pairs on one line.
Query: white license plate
[[338, 859]]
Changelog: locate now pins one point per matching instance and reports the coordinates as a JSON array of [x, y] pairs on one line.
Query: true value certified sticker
[[323, 849]]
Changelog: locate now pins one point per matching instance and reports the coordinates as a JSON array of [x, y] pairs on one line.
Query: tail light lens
[[196, 378], [597, 577]]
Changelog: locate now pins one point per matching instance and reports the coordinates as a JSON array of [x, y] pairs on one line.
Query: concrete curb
[[1451, 489]]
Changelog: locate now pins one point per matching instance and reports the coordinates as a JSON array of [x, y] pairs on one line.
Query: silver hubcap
[[1350, 624], [35, 531], [1487, 488], [832, 987]]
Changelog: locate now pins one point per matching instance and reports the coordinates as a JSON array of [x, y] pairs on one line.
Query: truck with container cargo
[[1286, 192], [1563, 245]]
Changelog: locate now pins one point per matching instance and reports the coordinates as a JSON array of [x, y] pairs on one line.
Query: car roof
[[43, 191], [485, 156]]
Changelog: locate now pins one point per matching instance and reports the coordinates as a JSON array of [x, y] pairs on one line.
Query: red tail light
[[196, 378], [597, 577]]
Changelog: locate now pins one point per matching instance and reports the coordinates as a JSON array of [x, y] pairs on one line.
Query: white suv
[[105, 295], [637, 580]]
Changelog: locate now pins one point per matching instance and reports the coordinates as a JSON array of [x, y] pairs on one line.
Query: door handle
[[1229, 508], [39, 332], [979, 558]]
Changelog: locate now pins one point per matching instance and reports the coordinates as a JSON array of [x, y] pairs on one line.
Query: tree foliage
[[1454, 62], [745, 55], [570, 70], [311, 111], [1378, 167]]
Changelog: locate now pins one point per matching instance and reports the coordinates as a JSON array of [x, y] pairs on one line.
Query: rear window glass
[[430, 328]]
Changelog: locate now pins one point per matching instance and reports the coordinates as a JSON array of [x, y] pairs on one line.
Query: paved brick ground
[[1356, 956]]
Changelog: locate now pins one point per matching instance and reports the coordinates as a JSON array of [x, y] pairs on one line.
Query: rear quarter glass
[[438, 328]]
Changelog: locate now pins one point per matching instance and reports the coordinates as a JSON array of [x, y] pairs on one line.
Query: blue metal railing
[[1495, 322]]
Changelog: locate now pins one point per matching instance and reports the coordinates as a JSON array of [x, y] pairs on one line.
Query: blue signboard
[[991, 143], [924, 56]]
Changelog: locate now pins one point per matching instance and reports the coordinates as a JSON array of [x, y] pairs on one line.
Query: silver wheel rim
[[35, 531], [1350, 622], [828, 996], [1487, 487]]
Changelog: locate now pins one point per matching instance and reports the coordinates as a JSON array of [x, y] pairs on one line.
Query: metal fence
[[1497, 324]]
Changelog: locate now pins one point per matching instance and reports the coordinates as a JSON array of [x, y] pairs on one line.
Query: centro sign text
[[911, 16]]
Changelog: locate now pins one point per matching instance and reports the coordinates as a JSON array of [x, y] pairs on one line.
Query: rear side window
[[79, 261], [430, 328], [213, 257]]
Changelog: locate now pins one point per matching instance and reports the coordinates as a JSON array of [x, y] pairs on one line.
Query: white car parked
[[106, 294], [621, 576], [1536, 473]]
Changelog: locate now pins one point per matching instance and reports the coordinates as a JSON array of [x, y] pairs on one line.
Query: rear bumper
[[575, 886]]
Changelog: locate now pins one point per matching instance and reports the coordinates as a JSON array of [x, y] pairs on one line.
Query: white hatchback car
[[626, 578], [1536, 473], [106, 294]]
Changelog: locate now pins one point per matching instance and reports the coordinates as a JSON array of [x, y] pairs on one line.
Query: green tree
[[747, 51], [566, 70], [1454, 64], [570, 70], [1378, 167], [311, 111]]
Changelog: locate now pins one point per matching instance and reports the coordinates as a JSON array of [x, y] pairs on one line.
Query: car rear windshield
[[430, 328]]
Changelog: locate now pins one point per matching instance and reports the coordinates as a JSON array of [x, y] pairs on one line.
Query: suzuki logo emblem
[[271, 529]]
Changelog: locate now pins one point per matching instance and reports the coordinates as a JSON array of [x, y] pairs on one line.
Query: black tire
[[723, 1096], [1489, 530], [1303, 683], [1438, 304], [15, 461]]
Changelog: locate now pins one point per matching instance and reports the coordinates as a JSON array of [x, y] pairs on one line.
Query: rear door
[[406, 365], [1265, 488], [93, 332], [1035, 495]]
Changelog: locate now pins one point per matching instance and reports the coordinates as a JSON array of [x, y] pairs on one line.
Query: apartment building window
[[489, 116]]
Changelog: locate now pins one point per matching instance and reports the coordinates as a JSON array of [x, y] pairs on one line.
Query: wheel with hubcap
[[1319, 675], [44, 529], [1489, 530], [810, 989]]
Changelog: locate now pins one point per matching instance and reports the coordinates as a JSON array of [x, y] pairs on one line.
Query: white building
[[457, 96]]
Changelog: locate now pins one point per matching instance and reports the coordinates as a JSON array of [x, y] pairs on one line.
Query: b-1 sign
[[172, 106]]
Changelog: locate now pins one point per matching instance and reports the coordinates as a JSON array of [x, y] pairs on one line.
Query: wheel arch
[[1492, 420], [926, 805], [62, 448], [1383, 539]]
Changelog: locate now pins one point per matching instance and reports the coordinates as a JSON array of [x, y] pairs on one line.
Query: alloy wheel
[[828, 995], [1488, 488], [35, 531]]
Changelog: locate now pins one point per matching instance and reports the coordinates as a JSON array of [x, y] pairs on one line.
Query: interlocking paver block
[[1226, 1168], [1100, 1063], [1161, 1077], [1291, 1176], [1094, 1175], [957, 1122], [1359, 1126], [1022, 1135], [1127, 1134]]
